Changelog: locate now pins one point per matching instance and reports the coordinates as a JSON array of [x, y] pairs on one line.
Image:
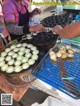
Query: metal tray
[[64, 76]]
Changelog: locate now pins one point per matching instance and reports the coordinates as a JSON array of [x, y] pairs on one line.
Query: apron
[[23, 20]]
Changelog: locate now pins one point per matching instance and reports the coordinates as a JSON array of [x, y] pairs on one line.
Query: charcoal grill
[[63, 75]]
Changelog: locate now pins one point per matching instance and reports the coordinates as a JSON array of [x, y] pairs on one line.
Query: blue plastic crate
[[50, 73]]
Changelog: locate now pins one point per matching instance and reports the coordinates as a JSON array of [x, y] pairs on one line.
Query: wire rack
[[63, 75]]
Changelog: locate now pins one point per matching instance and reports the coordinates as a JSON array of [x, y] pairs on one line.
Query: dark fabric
[[26, 29], [23, 21], [23, 18]]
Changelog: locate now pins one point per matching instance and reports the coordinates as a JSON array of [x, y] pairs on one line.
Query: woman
[[16, 17], [70, 31]]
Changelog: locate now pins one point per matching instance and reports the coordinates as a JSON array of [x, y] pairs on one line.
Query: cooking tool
[[53, 20], [30, 67], [24, 77], [70, 86], [63, 75], [44, 40]]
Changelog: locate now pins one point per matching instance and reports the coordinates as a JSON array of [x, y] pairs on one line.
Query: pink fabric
[[21, 8], [11, 8]]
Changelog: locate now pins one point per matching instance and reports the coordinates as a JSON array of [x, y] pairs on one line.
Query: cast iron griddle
[[43, 38], [23, 70], [62, 20]]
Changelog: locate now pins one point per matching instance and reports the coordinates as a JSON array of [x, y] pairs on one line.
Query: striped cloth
[[75, 41]]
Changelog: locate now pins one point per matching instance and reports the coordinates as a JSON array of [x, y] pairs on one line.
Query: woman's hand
[[37, 28], [56, 29], [35, 12]]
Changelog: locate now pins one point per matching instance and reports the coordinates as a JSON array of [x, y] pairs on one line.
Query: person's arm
[[70, 31], [20, 30], [13, 28]]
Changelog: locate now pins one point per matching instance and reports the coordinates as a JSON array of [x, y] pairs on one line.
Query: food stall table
[[17, 92]]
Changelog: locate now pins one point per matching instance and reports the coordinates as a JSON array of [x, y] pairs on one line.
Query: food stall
[[45, 56]]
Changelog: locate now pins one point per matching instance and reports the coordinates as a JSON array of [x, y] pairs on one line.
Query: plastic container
[[34, 20], [30, 21], [59, 8]]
